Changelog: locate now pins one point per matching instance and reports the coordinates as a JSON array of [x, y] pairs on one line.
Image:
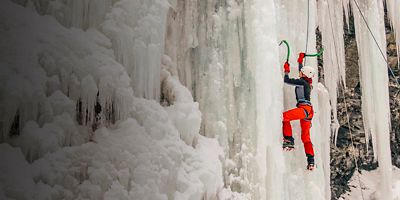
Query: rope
[[345, 107], [308, 24], [376, 42]]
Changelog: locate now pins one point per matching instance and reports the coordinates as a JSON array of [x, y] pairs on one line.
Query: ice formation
[[101, 99], [73, 124], [394, 17], [228, 55], [330, 23], [374, 84]]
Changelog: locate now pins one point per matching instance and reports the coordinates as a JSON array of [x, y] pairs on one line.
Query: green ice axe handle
[[317, 54], [288, 49]]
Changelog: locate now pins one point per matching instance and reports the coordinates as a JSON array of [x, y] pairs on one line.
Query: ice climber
[[304, 111]]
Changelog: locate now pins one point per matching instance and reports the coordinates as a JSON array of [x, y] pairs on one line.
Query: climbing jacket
[[303, 89], [303, 85]]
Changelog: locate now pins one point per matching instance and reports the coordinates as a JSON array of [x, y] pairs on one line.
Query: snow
[[365, 186], [184, 113], [16, 177], [153, 168]]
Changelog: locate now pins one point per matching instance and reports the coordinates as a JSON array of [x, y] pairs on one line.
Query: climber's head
[[307, 71]]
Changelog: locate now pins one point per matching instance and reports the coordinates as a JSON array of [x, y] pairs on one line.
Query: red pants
[[305, 123]]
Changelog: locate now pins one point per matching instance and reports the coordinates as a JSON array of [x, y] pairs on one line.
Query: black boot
[[311, 163], [288, 143]]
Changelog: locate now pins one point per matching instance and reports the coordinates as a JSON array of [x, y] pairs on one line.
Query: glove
[[301, 57], [286, 67]]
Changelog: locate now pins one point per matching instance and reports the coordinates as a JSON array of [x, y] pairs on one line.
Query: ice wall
[[292, 24], [209, 54], [374, 82], [263, 60], [227, 53], [137, 37]]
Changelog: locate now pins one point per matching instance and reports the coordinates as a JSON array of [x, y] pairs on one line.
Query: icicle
[[74, 88], [264, 59], [138, 42], [88, 98], [80, 14], [393, 7], [331, 27], [123, 102], [346, 8], [106, 92], [374, 82]]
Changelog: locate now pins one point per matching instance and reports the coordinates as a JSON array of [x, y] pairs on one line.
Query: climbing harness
[[309, 115]]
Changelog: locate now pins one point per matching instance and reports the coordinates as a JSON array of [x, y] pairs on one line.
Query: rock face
[[343, 155]]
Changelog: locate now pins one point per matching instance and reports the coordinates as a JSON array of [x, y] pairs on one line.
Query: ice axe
[[316, 54], [288, 49], [307, 55]]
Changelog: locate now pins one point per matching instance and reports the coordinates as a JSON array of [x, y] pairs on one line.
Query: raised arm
[[292, 81], [300, 60], [288, 80]]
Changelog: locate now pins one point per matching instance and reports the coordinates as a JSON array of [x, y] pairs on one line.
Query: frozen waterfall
[[228, 55], [177, 99]]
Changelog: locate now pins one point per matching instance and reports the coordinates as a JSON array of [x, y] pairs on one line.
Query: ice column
[[393, 7], [263, 59], [324, 123], [374, 80], [330, 15]]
